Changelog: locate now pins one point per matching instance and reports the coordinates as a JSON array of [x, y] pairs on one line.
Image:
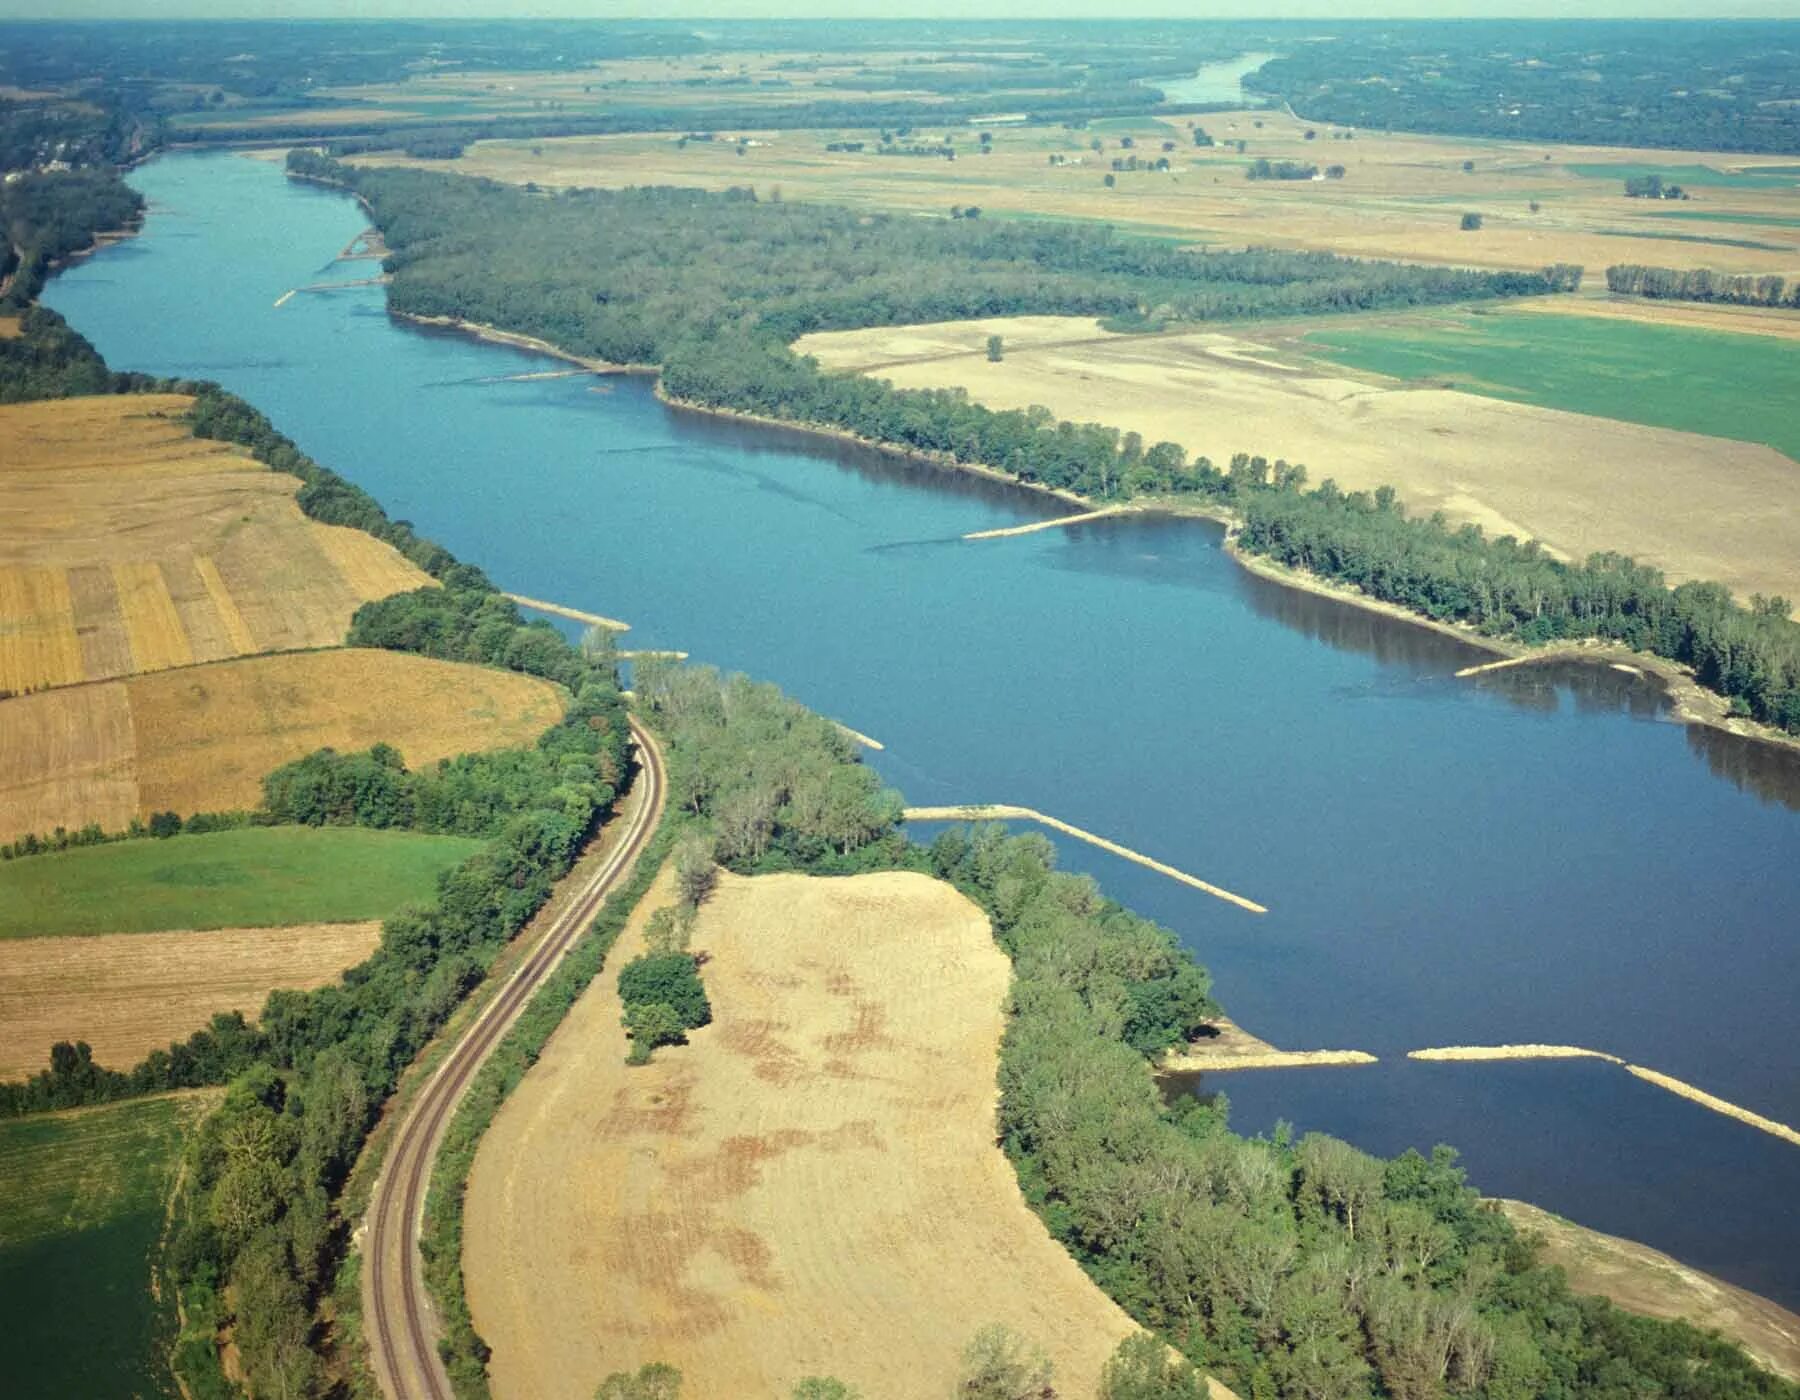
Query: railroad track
[[403, 1335]]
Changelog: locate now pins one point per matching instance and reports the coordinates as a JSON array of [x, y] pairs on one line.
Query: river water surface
[[1541, 856], [1214, 82]]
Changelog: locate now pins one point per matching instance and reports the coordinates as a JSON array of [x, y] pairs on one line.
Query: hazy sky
[[959, 9]]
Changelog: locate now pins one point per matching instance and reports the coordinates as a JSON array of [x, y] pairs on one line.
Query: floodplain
[[1496, 420], [1400, 195]]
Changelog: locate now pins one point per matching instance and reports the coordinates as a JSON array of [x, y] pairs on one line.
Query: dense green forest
[[47, 217], [1294, 1270], [654, 275], [591, 272], [1701, 284], [1713, 85]]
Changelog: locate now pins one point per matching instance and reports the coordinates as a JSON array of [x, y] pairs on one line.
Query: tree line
[[1504, 588], [1725, 86], [721, 345], [1294, 1270], [1701, 284], [46, 217], [256, 1238]]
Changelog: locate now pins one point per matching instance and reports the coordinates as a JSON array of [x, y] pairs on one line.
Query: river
[[1538, 856], [1215, 82]]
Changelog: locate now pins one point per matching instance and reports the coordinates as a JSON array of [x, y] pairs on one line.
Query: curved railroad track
[[403, 1325]]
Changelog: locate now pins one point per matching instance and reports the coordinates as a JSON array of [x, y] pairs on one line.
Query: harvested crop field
[[1695, 506], [201, 738], [129, 993], [128, 545], [811, 1187]]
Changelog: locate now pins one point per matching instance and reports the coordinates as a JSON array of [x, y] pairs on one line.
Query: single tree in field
[[1000, 1365], [650, 1024], [1111, 180], [996, 349], [1471, 222]]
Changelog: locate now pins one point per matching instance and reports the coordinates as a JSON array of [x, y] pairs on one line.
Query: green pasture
[[1717, 382], [80, 1221], [259, 877], [1729, 216], [1712, 239], [1768, 177]]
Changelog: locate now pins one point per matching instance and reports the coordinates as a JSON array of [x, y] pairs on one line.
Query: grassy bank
[[260, 877], [80, 1222]]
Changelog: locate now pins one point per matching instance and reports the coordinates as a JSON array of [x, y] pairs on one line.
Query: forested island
[[709, 288]]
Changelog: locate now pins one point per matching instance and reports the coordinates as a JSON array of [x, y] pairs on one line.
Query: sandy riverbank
[[1232, 1047], [495, 336], [1644, 1280]]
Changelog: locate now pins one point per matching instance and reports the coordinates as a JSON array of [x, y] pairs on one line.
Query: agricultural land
[[1520, 446], [717, 1208], [130, 993], [252, 878], [1400, 195], [127, 546], [201, 738], [80, 1223]]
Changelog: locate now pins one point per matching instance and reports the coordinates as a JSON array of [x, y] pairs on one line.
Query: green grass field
[[1717, 382], [1762, 177], [1728, 216], [80, 1218], [256, 878]]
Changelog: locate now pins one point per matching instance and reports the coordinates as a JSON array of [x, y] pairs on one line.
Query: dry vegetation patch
[[1695, 506], [128, 545], [810, 1187], [129, 993], [201, 738]]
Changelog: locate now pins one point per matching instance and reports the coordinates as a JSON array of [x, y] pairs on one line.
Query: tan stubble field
[[812, 1187], [129, 993], [1694, 506]]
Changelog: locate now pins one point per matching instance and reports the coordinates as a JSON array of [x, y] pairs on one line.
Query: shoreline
[[1689, 701], [1231, 1047], [493, 335]]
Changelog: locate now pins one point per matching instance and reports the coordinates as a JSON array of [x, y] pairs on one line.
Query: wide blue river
[[1538, 857]]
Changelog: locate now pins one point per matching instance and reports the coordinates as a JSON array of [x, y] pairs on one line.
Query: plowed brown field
[[128, 545], [130, 993], [811, 1187], [202, 738]]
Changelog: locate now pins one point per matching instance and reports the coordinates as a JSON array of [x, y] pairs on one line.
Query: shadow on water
[[1760, 769]]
